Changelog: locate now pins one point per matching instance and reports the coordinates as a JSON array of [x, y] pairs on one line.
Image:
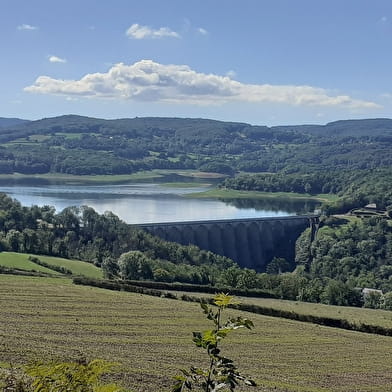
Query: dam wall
[[252, 243]]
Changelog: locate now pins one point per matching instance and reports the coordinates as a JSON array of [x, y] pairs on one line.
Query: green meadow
[[21, 261], [234, 194]]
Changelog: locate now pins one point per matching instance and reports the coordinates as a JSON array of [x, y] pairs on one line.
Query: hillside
[[82, 145]]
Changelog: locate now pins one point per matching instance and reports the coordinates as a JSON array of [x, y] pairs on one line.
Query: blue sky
[[258, 61]]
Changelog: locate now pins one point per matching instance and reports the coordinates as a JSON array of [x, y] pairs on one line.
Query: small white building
[[367, 291]]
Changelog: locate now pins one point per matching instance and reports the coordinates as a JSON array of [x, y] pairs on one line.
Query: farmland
[[150, 338], [355, 315]]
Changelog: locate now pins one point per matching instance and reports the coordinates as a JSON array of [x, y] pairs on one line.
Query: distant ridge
[[360, 127], [9, 122]]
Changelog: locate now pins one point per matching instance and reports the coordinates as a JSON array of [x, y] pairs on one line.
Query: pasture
[[150, 338], [21, 261]]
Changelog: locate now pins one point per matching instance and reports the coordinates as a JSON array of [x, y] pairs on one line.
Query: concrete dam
[[252, 243]]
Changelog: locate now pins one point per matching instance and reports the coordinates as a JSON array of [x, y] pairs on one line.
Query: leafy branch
[[222, 373]]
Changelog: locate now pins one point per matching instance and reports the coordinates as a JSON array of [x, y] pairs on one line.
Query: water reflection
[[292, 206]]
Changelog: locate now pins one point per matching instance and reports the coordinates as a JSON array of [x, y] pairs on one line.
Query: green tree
[[110, 268], [231, 276], [135, 265], [386, 301], [278, 265], [14, 239], [162, 275], [341, 294], [372, 300]]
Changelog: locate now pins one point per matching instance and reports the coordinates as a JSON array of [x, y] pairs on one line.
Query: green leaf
[[223, 300]]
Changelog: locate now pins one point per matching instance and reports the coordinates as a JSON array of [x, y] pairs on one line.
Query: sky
[[264, 62]]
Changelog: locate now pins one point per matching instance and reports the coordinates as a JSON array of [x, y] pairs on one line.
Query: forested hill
[[82, 145], [144, 126], [355, 128]]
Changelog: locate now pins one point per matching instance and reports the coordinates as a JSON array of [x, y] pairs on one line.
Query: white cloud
[[202, 31], [383, 19], [55, 59], [137, 31], [149, 81], [27, 27]]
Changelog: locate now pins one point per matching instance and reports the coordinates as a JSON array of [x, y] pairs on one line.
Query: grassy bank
[[184, 184], [119, 178], [150, 338], [234, 194], [21, 261], [69, 178]]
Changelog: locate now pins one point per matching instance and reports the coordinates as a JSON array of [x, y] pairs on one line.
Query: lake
[[150, 202]]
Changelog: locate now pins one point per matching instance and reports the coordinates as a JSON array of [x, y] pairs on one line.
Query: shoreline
[[234, 194]]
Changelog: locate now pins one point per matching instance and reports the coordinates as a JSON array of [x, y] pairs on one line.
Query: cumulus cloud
[[202, 31], [147, 80], [137, 31], [55, 59], [27, 27]]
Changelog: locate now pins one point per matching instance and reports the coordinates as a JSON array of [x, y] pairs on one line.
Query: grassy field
[[234, 194], [184, 184], [20, 260], [69, 178], [382, 318], [150, 338]]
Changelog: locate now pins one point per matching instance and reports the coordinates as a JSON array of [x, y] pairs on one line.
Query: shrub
[[221, 374]]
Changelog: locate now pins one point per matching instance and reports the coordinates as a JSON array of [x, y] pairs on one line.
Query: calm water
[[148, 203]]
